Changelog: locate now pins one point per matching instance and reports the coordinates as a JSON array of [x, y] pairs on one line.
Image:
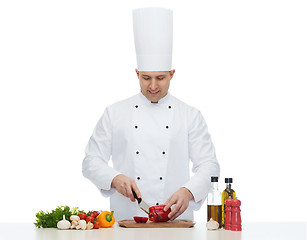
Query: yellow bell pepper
[[106, 219]]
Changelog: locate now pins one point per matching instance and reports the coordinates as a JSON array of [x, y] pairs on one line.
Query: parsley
[[50, 219]]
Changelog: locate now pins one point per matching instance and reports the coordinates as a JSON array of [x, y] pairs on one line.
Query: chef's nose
[[153, 84]]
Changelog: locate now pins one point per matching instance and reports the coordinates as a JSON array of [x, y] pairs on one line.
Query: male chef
[[152, 136]]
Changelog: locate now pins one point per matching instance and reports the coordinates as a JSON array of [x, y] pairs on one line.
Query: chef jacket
[[153, 144]]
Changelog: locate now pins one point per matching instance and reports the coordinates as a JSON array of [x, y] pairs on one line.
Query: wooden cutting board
[[173, 224]]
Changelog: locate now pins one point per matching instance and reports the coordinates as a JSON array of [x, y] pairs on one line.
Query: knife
[[143, 205]]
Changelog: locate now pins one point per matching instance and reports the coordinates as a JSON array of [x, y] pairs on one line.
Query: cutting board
[[173, 224]]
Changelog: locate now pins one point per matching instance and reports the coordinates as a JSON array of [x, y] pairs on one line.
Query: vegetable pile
[[65, 218], [50, 219]]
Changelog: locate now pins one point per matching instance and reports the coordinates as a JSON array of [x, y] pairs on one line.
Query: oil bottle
[[214, 205], [227, 193]]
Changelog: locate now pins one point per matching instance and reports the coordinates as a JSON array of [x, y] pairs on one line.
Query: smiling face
[[155, 85]]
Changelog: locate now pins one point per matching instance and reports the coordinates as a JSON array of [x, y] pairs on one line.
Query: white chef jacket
[[151, 143]]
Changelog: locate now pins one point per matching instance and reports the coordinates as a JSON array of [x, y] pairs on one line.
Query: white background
[[241, 63]]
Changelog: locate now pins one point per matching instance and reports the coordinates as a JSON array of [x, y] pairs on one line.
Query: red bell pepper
[[140, 219], [157, 213]]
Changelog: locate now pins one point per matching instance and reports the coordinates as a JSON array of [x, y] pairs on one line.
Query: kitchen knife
[[143, 205]]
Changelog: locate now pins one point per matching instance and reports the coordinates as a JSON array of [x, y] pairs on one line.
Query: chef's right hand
[[124, 186]]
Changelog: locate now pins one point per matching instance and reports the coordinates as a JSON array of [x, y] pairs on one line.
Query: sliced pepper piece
[[140, 219]]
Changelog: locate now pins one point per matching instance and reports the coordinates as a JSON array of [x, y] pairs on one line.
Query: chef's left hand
[[181, 198]]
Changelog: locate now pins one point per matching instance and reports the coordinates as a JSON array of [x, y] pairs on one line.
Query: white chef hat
[[153, 38]]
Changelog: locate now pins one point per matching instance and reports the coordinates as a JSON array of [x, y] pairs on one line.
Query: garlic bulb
[[63, 224], [212, 225]]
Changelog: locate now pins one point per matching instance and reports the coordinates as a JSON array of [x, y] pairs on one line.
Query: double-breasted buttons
[[143, 125]]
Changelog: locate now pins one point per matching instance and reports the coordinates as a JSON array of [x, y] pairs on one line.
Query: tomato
[[97, 225], [140, 219], [89, 219], [82, 216], [94, 214]]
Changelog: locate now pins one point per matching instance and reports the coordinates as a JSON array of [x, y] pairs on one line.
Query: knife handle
[[136, 197]]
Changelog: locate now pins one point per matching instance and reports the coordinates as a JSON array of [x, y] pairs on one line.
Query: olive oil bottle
[[214, 206], [227, 193]]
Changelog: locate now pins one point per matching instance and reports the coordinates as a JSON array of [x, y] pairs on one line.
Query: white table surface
[[261, 231]]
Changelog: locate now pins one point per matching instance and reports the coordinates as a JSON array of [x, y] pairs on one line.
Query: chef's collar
[[161, 101]]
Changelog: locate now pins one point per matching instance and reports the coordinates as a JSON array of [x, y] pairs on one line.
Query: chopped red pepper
[[140, 219], [157, 213]]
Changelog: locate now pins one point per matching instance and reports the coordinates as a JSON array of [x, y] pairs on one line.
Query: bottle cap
[[228, 180], [214, 179]]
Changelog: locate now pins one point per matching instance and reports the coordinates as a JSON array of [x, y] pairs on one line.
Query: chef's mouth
[[153, 93]]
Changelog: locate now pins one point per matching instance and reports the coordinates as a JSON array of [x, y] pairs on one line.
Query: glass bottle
[[214, 205], [227, 193]]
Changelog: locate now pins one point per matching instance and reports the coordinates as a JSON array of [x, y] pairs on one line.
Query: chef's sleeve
[[202, 155], [97, 155]]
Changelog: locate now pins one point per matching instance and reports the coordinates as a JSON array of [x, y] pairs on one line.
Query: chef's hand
[[123, 185], [181, 198]]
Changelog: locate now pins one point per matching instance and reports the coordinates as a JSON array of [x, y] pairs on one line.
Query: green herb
[[50, 219]]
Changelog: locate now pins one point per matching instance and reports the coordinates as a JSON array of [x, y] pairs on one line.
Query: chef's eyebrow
[[161, 75]]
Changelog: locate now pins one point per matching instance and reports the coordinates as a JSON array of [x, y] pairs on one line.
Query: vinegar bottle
[[214, 206], [227, 193]]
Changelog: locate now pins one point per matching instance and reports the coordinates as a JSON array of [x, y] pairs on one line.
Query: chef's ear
[[172, 73], [137, 72]]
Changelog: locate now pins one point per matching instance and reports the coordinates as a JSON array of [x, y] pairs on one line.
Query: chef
[[152, 137]]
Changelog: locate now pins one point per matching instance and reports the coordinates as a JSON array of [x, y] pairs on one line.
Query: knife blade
[[143, 205]]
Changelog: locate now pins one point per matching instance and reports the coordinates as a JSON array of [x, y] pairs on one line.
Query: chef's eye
[[161, 78], [146, 78]]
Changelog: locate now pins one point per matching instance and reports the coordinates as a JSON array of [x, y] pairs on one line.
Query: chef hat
[[153, 38]]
